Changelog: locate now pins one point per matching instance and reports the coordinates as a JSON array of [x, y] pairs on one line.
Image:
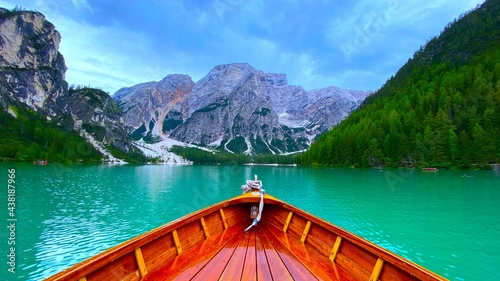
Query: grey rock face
[[236, 108], [32, 69], [97, 113], [152, 103], [333, 105], [32, 75]]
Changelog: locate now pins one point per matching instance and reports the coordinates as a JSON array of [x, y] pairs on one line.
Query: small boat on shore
[[253, 236], [430, 169]]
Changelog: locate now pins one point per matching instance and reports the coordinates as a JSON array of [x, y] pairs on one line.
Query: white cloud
[[107, 57], [81, 5], [374, 37]]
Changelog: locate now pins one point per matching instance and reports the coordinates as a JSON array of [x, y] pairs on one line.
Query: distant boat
[[430, 169], [253, 236], [41, 162]]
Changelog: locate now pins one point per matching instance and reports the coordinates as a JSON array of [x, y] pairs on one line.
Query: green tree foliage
[[199, 156], [29, 138], [442, 108]]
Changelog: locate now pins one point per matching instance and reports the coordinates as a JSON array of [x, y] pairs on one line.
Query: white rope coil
[[250, 186]]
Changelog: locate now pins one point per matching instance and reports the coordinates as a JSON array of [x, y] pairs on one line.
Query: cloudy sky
[[353, 44]]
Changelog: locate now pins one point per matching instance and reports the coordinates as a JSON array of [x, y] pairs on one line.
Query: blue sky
[[354, 44]]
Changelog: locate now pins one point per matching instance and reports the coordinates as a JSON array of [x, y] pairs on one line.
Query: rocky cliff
[[235, 108], [32, 76], [153, 108], [98, 114], [31, 67], [332, 105]]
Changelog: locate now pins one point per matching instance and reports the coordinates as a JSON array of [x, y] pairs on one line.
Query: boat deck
[[210, 244], [263, 253]]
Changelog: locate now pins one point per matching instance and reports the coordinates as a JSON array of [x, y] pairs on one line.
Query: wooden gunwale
[[83, 269], [90, 265], [389, 257]]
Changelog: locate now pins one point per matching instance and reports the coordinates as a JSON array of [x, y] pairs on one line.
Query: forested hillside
[[29, 137], [441, 109]]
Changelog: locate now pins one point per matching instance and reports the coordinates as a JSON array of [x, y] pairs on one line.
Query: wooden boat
[[430, 169], [212, 244]]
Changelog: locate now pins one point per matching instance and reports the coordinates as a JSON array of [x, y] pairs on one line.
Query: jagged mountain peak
[[235, 107], [146, 105], [32, 77], [239, 70], [232, 67], [32, 67], [98, 114], [169, 81]]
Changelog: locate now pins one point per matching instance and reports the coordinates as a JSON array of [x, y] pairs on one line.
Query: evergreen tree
[[442, 108]]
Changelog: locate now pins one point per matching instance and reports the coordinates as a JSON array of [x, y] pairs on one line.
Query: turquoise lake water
[[447, 221]]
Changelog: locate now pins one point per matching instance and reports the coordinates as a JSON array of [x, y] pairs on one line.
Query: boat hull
[[288, 243]]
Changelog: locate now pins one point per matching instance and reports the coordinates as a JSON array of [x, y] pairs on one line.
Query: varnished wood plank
[[214, 217], [276, 265], [160, 260], [392, 273], [195, 238], [236, 214], [376, 270], [204, 226], [250, 266], [235, 266], [121, 269], [297, 225], [335, 248], [215, 228], [321, 239], [278, 217], [156, 252], [263, 270], [297, 270], [140, 262], [214, 223], [223, 217], [352, 267], [190, 234], [287, 222], [190, 262], [176, 241], [319, 245], [363, 259], [215, 266], [306, 231], [320, 266], [295, 231]]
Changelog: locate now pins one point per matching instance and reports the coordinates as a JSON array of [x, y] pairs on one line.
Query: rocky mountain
[[333, 104], [32, 81], [31, 67], [95, 112], [152, 108], [235, 108]]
